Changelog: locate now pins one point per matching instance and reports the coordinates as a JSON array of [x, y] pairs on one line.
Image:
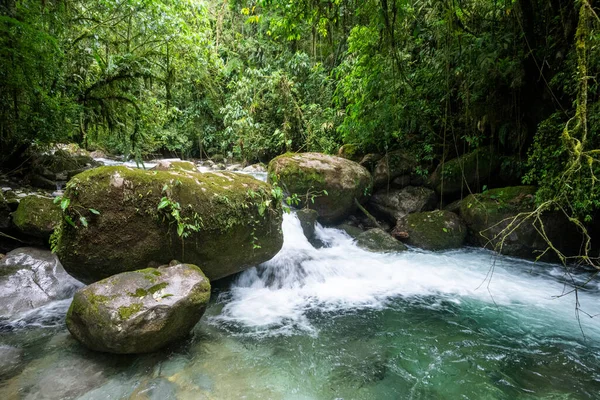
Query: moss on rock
[[468, 172], [163, 311], [489, 213], [37, 216], [379, 241], [227, 222], [434, 230], [310, 175]]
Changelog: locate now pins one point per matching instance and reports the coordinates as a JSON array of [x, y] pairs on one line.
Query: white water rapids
[[276, 297]]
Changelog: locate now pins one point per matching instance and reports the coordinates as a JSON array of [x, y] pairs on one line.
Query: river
[[336, 322]]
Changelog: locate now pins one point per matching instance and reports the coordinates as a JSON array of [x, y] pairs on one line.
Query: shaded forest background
[[253, 79]]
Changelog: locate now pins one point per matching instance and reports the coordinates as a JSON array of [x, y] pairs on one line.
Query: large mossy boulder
[[133, 219], [31, 278], [395, 204], [37, 216], [434, 230], [379, 241], [140, 311], [488, 216], [465, 174], [326, 184]]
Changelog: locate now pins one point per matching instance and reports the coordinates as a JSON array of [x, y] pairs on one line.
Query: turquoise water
[[340, 323]]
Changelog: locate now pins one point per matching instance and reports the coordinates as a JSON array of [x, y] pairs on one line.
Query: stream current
[[337, 322]]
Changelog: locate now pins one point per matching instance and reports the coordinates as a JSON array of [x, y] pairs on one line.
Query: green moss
[[127, 197], [37, 216], [158, 287], [125, 312], [435, 230], [139, 292]]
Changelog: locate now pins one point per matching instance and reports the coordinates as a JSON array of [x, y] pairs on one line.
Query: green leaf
[[164, 202], [180, 228], [83, 221], [70, 221], [93, 211], [445, 230], [64, 204]]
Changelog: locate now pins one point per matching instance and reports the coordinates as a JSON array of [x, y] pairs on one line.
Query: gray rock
[[395, 204], [140, 311], [379, 241], [31, 278], [308, 220], [391, 166], [255, 168]]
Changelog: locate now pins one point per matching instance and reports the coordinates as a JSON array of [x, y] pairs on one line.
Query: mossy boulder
[[468, 172], [225, 222], [393, 165], [434, 230], [395, 204], [37, 216], [379, 241], [350, 152], [351, 230], [5, 220], [310, 175], [488, 214], [140, 311], [308, 220], [31, 278]]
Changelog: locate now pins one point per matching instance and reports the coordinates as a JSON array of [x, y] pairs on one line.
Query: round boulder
[[37, 216], [435, 230], [379, 241], [135, 219], [395, 204], [31, 278], [328, 184], [139, 311]]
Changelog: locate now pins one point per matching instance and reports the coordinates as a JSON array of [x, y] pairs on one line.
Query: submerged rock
[[308, 220], [488, 214], [140, 311], [395, 204], [37, 216], [379, 241], [468, 172], [435, 230], [310, 175], [11, 361], [31, 278], [225, 222]]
